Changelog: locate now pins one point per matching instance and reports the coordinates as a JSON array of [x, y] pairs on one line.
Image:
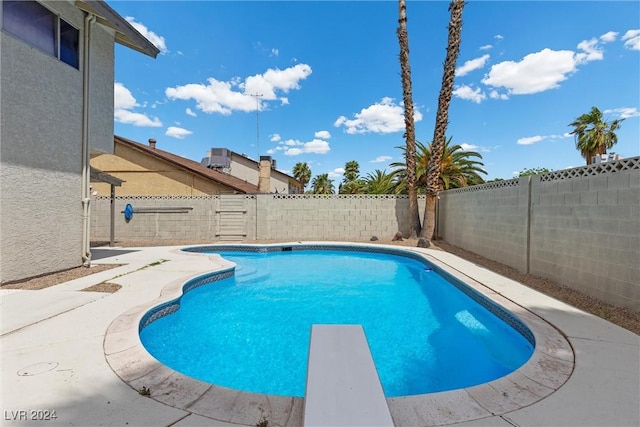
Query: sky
[[319, 82]]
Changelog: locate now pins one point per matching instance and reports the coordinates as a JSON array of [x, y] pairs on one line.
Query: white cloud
[[381, 159], [590, 51], [468, 147], [176, 132], [236, 95], [467, 92], [533, 139], [190, 112], [294, 147], [471, 65], [382, 117], [157, 40], [485, 47], [624, 112], [494, 94], [276, 80], [323, 134], [336, 173], [632, 39], [284, 101], [124, 103], [275, 137], [530, 140], [536, 72], [608, 37], [275, 52], [498, 37]]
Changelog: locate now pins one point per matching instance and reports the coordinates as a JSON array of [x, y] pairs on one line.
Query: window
[[38, 26]]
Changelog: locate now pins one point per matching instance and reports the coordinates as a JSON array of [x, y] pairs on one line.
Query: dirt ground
[[622, 317]]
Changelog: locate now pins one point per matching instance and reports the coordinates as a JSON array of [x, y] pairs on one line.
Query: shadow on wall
[[402, 213], [97, 254]]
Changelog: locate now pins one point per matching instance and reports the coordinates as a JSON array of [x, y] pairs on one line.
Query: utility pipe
[[86, 166]]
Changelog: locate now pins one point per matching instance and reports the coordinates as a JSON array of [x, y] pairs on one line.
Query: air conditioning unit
[[219, 158]]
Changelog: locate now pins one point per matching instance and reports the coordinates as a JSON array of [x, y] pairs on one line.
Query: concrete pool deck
[[57, 356]]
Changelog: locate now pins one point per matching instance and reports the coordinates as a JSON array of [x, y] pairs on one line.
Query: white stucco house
[[56, 108]]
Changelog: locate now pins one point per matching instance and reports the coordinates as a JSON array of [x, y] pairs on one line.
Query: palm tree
[[379, 182], [442, 117], [593, 135], [457, 167], [410, 131], [322, 184], [351, 182], [302, 173]]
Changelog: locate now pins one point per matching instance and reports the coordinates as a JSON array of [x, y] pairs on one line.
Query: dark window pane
[[69, 44], [31, 22]]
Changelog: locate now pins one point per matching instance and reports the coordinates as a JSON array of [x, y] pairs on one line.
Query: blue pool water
[[251, 331]]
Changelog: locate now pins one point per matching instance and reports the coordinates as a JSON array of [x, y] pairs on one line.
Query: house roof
[[193, 166], [126, 35]]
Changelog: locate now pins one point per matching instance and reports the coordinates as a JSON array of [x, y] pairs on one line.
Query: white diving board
[[343, 387]]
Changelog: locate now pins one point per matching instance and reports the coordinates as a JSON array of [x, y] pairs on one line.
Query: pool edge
[[548, 369]]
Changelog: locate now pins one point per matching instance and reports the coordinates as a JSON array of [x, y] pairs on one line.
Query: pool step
[[343, 388], [249, 274]]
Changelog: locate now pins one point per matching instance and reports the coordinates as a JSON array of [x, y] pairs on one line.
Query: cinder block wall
[[310, 217], [267, 217], [585, 233], [579, 227], [583, 227], [199, 222], [489, 219]]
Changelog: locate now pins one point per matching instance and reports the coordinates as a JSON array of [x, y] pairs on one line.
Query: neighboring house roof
[[193, 166], [126, 35]]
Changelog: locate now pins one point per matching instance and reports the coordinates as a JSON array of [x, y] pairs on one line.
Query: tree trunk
[[442, 117], [410, 132], [430, 209]]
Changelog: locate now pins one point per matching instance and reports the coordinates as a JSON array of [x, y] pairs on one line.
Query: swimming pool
[[427, 331]]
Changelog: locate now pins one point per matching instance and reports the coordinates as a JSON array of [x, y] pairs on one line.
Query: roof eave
[[126, 35]]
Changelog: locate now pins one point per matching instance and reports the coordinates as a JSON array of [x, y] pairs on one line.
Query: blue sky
[[329, 79]]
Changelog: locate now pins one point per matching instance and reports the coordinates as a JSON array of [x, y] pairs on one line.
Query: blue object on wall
[[128, 212]]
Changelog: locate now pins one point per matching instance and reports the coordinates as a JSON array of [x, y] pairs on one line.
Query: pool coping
[[549, 367]]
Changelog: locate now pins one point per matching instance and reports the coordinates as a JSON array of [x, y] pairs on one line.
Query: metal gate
[[231, 213]]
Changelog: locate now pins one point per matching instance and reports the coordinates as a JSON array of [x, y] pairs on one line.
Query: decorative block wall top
[[488, 186], [632, 163], [340, 196]]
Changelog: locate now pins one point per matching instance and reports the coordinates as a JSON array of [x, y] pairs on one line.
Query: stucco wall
[[145, 175], [246, 169], [101, 90], [40, 151]]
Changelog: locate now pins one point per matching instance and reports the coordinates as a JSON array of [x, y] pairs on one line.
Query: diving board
[[343, 387]]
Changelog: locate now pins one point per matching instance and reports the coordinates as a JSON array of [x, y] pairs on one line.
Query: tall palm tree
[[351, 182], [457, 167], [593, 135], [379, 182], [302, 172], [322, 184], [410, 131], [442, 117]]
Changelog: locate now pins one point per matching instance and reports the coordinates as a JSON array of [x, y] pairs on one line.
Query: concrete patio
[[55, 351]]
